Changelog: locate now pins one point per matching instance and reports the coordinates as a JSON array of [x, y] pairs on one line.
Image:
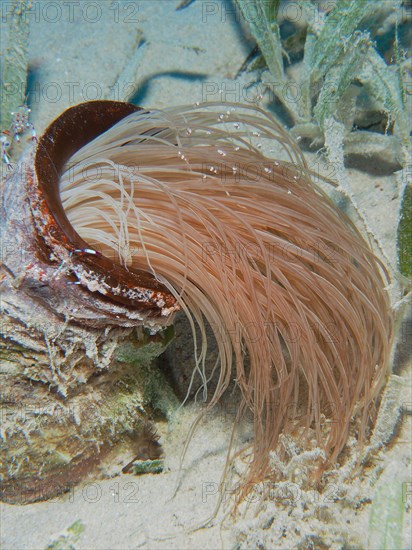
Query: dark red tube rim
[[73, 129]]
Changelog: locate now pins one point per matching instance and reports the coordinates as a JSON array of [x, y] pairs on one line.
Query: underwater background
[[348, 103]]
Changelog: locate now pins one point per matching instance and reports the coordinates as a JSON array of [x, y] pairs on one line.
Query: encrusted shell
[[70, 391]]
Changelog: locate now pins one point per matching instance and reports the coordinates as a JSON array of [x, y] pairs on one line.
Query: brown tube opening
[[73, 129]]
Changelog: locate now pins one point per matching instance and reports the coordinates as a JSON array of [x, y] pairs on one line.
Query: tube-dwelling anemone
[[252, 246]]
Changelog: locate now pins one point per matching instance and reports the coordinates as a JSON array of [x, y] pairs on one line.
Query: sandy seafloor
[[77, 51]]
